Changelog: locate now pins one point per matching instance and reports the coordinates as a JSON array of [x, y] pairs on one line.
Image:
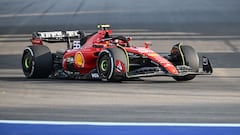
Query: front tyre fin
[[207, 68]]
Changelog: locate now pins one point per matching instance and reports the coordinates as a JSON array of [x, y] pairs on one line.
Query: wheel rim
[[104, 65], [27, 63]]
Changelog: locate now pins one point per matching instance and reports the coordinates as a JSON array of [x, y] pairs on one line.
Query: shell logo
[[79, 60]]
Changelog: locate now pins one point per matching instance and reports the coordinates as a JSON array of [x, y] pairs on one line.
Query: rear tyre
[[37, 61], [112, 64], [186, 55]]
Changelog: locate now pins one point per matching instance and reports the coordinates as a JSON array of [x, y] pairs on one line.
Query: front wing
[[182, 69]]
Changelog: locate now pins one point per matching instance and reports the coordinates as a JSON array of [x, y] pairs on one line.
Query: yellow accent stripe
[[126, 56], [182, 55]]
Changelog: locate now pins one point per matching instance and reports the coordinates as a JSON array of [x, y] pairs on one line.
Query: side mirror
[[148, 44]]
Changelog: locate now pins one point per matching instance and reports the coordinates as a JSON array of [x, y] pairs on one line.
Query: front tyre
[[186, 55], [112, 64], [37, 61], [105, 66]]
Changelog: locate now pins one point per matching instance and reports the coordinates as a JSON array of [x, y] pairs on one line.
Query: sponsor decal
[[95, 75], [79, 60], [120, 66], [153, 54], [76, 45]]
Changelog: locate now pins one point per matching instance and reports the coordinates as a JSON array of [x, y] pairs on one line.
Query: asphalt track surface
[[211, 27]]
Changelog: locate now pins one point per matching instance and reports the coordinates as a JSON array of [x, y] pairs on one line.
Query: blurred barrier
[[108, 128]]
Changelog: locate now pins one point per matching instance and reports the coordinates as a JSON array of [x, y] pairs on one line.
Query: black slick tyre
[[187, 56], [112, 64], [37, 61]]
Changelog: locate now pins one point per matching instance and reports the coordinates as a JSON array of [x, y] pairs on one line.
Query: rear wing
[[58, 36]]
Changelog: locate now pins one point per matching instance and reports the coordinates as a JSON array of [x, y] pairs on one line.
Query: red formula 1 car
[[103, 56]]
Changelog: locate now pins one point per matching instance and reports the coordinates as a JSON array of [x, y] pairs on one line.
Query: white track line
[[62, 13], [119, 123]]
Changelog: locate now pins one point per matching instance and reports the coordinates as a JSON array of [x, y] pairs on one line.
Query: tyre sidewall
[[41, 64], [115, 55], [190, 58], [28, 54], [105, 55]]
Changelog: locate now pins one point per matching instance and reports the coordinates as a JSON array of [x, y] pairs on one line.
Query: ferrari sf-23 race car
[[106, 57]]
